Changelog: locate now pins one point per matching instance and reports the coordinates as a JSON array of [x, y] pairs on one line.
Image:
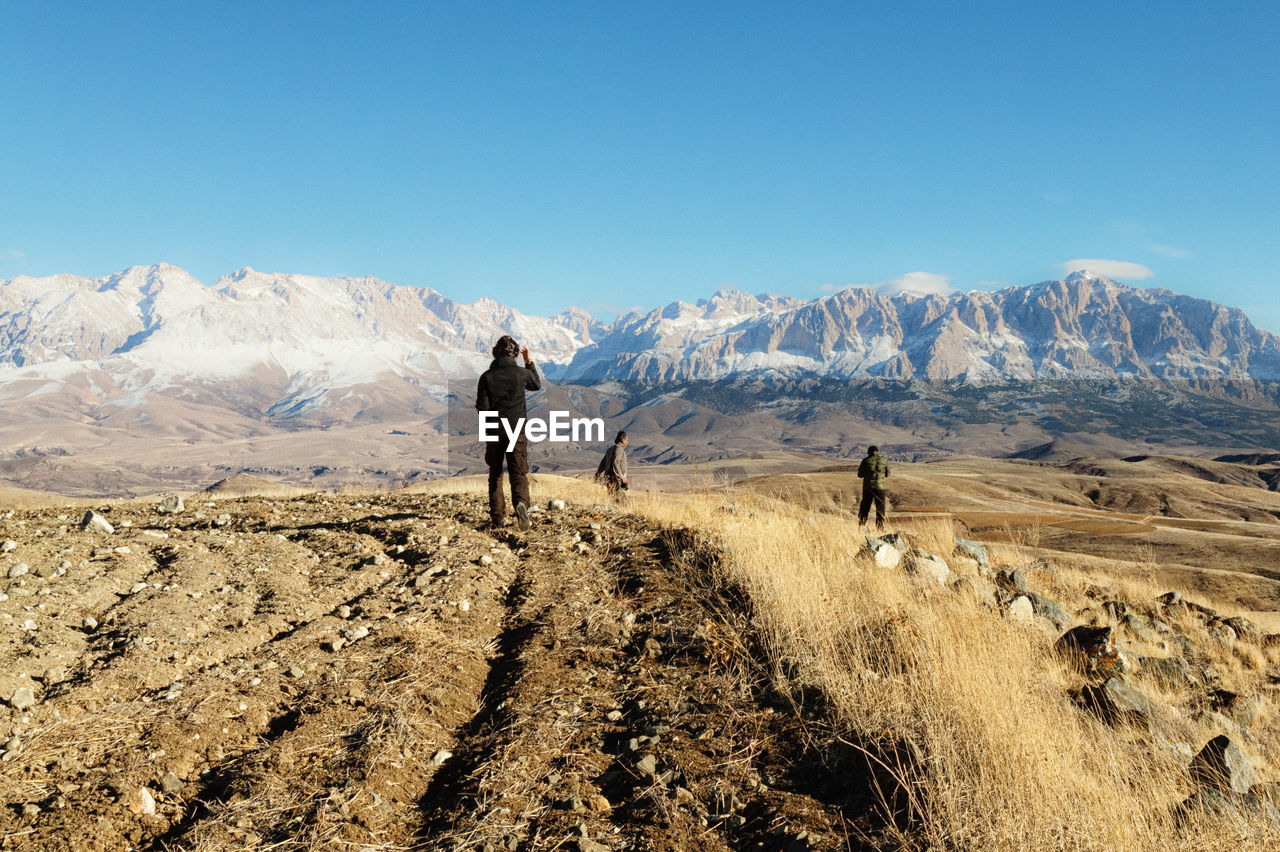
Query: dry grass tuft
[[1003, 761]]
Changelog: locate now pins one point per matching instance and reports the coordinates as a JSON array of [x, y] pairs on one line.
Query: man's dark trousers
[[868, 496], [517, 469]]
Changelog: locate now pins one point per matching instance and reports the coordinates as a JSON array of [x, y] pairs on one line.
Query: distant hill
[[141, 373]]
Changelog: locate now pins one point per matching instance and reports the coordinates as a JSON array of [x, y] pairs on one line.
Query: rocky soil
[[379, 673]]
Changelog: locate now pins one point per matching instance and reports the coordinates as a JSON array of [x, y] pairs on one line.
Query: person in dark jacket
[[501, 389], [873, 472], [613, 467]]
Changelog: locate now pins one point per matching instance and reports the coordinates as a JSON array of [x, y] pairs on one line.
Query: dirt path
[[331, 673]]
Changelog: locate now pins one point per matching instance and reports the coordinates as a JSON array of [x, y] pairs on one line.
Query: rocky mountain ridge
[[148, 327], [152, 363]]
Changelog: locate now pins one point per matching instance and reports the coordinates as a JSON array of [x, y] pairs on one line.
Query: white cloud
[[1108, 268], [924, 283], [14, 254], [1171, 251]]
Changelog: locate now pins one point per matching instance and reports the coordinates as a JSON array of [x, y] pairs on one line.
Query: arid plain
[[724, 662]]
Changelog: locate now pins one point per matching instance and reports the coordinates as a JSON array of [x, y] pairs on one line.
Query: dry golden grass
[[1008, 762]]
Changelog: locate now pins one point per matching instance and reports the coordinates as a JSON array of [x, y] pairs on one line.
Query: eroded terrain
[[379, 673]]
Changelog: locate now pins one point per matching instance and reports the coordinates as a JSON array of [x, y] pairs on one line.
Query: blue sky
[[600, 154]]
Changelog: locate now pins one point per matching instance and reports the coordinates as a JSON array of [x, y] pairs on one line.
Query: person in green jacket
[[873, 471]]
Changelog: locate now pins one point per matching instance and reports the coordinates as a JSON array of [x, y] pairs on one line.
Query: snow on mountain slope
[[1084, 327], [283, 346], [156, 329]]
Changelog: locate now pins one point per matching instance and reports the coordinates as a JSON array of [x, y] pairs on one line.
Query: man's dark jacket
[[873, 471], [502, 388]]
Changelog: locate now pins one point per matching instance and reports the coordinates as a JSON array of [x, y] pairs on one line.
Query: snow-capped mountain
[[151, 364], [150, 329], [1084, 327], [288, 346], [294, 342]]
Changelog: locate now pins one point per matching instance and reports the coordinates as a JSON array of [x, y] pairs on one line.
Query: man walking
[[501, 389], [613, 467], [873, 471]]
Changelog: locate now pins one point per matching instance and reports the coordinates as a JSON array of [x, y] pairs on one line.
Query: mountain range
[[106, 370]]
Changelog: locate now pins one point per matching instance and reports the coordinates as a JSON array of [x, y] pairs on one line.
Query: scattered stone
[[975, 591], [170, 505], [93, 522], [1221, 633], [1241, 709], [1093, 650], [45, 571], [1138, 626], [23, 698], [18, 570], [296, 672], [586, 844], [932, 568], [438, 759], [887, 556], [1244, 629], [335, 644], [1050, 610], [975, 551], [647, 765], [1116, 702], [1099, 593], [1222, 766], [90, 623], [1170, 672], [1021, 610], [1015, 581], [171, 784], [141, 802], [9, 546]]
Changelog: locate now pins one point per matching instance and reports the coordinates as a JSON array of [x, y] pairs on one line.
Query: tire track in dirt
[[624, 715], [328, 672]]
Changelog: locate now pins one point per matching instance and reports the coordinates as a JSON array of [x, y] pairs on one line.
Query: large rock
[[23, 698], [1050, 610], [1013, 581], [1221, 633], [171, 505], [975, 590], [1138, 626], [1222, 766], [93, 522], [1242, 709], [887, 556], [1093, 650], [1244, 629], [1021, 610], [975, 551], [1116, 703], [1170, 672], [932, 568]]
